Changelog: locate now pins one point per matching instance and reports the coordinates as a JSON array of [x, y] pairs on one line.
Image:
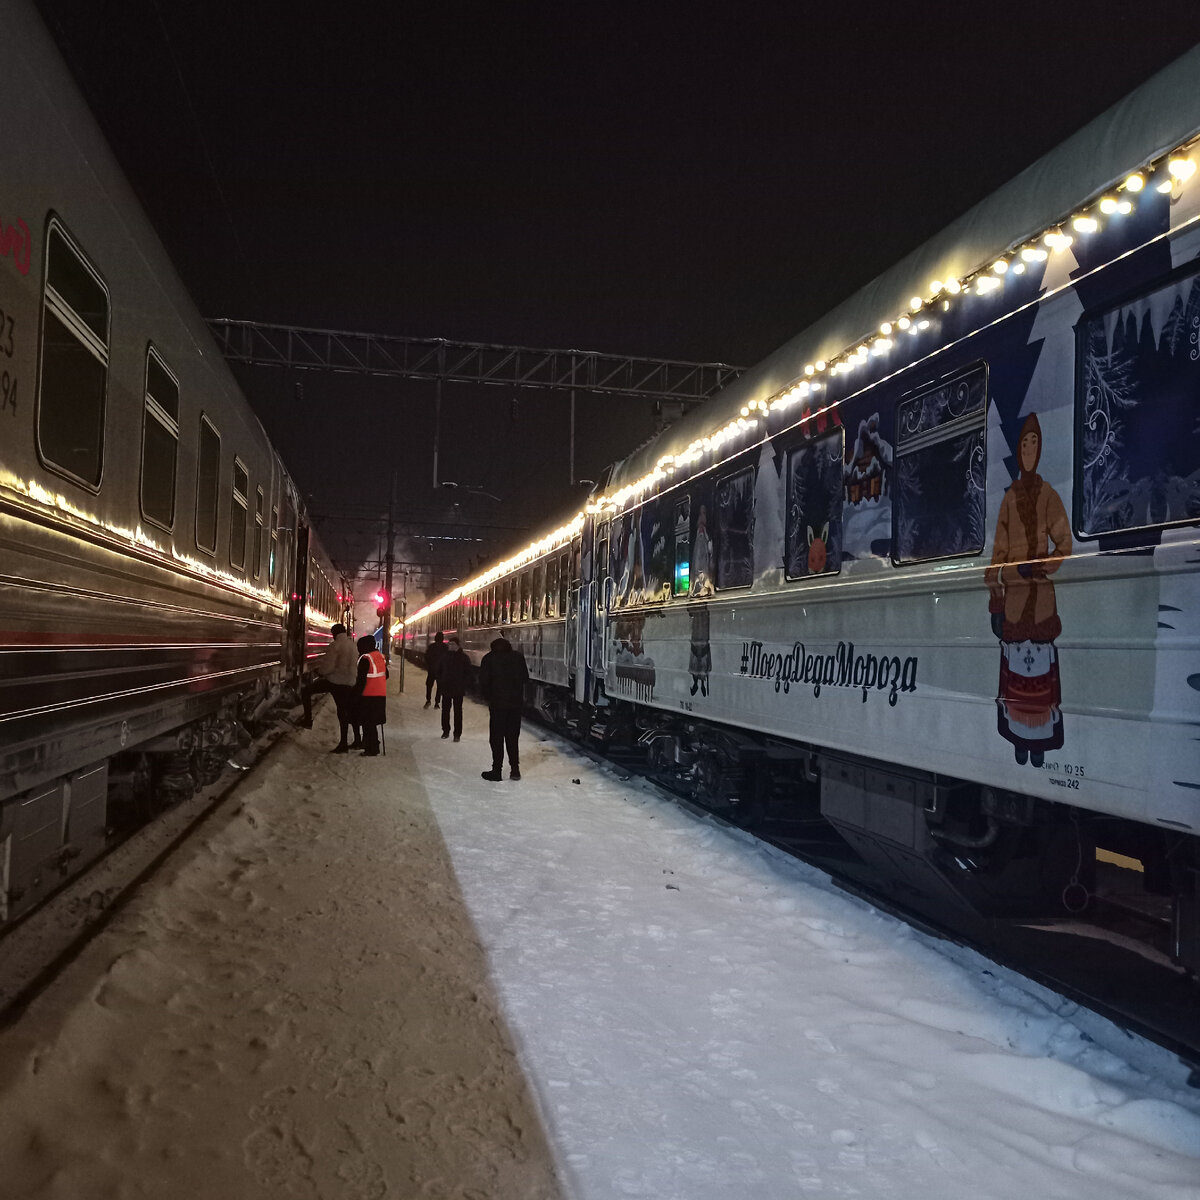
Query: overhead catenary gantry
[[439, 360]]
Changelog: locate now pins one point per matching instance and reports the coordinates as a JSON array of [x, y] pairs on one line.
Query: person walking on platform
[[370, 693], [453, 676], [434, 653], [502, 678], [336, 673]]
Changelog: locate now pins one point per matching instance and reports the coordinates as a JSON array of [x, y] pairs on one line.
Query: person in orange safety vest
[[370, 693]]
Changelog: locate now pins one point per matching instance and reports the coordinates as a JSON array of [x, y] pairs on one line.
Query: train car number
[[7, 326], [1065, 775], [8, 392]]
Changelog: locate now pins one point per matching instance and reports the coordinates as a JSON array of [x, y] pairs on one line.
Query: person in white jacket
[[336, 672]]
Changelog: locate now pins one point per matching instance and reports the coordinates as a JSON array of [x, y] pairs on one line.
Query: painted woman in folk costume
[[1023, 606]]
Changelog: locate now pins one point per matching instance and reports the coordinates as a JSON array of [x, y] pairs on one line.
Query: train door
[[297, 612], [569, 588], [598, 606]]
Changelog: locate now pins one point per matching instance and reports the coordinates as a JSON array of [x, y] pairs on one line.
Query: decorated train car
[[158, 579], [932, 569]]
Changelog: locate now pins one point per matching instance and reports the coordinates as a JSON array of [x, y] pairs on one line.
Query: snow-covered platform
[[389, 978]]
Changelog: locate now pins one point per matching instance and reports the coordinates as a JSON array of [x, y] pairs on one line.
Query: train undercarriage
[[958, 853], [52, 832]]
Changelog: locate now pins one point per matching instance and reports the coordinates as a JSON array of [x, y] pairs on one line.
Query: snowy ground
[[389, 978]]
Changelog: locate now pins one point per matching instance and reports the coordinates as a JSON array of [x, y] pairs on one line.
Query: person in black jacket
[[453, 676], [434, 653], [502, 677]]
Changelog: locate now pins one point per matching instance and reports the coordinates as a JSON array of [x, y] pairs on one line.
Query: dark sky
[[677, 181]]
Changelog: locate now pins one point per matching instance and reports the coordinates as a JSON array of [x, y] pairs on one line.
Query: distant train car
[[932, 569], [158, 579]]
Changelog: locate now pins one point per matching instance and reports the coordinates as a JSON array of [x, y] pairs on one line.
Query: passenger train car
[[158, 578], [932, 569]]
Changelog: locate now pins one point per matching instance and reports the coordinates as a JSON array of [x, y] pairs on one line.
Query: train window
[[621, 542], [564, 563], [1137, 463], [550, 605], [941, 464], [813, 543], [537, 588], [526, 594], [73, 375], [258, 531], [160, 442], [273, 565], [208, 476], [683, 546], [735, 529], [514, 600], [656, 550], [237, 514]]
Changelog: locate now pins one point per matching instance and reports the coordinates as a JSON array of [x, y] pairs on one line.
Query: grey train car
[[931, 571], [158, 580]]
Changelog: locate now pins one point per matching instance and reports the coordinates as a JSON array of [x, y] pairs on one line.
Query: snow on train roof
[[1159, 116]]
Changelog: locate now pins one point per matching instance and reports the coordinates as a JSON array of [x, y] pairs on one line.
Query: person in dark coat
[[336, 672], [434, 653], [453, 676], [502, 678], [370, 693]]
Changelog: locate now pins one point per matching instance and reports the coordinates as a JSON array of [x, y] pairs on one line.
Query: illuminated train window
[[274, 563], [237, 514], [208, 477], [160, 442], [73, 370]]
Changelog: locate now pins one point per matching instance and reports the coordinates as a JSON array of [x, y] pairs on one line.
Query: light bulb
[[1086, 224], [1134, 183]]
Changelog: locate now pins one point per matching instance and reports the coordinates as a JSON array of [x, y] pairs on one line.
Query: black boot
[[492, 776]]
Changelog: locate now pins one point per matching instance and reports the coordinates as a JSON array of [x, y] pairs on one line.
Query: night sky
[[676, 181]]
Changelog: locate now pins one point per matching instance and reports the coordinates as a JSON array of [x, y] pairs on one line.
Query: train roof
[[1160, 115]]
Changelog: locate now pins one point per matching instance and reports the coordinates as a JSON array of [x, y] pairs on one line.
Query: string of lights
[[1164, 174]]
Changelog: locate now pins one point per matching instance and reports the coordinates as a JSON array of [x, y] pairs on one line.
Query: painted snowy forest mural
[[1141, 412]]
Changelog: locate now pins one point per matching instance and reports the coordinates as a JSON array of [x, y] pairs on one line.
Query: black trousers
[[504, 729], [455, 702], [430, 680], [343, 695], [343, 701]]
